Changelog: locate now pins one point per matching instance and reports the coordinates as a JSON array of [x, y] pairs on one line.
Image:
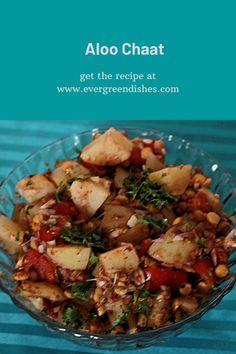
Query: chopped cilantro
[[93, 260], [72, 316], [90, 239], [148, 192], [201, 243], [159, 224], [124, 317], [61, 190], [142, 306], [81, 291]]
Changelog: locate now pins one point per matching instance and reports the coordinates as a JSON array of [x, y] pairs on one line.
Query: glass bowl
[[178, 151]]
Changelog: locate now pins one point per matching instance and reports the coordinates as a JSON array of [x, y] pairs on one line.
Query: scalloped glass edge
[[178, 151]]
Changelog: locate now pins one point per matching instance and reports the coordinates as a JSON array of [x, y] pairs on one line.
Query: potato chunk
[[122, 258], [174, 179], [135, 234], [110, 148], [11, 235], [175, 250], [115, 216], [70, 257], [41, 289], [89, 195], [35, 187], [68, 169]]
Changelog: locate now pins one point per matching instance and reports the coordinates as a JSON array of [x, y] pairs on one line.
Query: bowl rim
[[128, 128], [54, 325]]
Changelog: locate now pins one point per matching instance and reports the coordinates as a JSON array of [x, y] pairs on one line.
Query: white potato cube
[[110, 148], [67, 170], [11, 235], [35, 187], [42, 289], [70, 257], [174, 251], [89, 195], [174, 179], [123, 258]]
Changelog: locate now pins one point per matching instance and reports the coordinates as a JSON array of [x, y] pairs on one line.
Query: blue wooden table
[[19, 333]]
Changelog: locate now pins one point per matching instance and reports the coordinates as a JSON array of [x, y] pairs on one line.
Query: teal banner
[[117, 60]]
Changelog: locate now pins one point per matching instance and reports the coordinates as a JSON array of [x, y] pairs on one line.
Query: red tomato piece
[[49, 234], [31, 259], [157, 276], [135, 158], [144, 246], [47, 270], [201, 202], [204, 268], [65, 208]]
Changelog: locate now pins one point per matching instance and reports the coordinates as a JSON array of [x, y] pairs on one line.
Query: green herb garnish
[[140, 293], [81, 291], [201, 243], [159, 224], [148, 192], [93, 260], [90, 239], [72, 316], [124, 317], [61, 190], [143, 307]]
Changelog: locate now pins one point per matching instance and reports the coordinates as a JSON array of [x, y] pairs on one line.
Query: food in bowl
[[116, 241]]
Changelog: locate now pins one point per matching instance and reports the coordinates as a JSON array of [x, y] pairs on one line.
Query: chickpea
[[176, 304], [213, 218], [177, 221], [101, 310], [145, 152], [68, 294], [199, 215], [185, 289], [178, 315], [199, 179], [222, 225], [207, 182], [190, 193], [188, 304], [221, 271], [203, 288]]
